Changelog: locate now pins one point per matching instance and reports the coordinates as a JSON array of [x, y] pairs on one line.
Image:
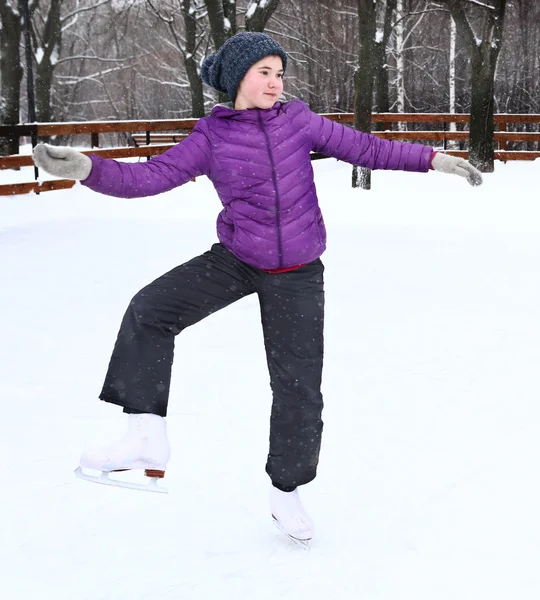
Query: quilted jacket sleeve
[[365, 150], [190, 158]]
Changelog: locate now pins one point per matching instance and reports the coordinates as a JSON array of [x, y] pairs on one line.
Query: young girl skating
[[271, 236]]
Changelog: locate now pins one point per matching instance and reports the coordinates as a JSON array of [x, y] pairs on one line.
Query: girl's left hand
[[445, 163]]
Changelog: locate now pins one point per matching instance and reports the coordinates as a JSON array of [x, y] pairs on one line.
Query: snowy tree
[[452, 79], [400, 65], [99, 71], [518, 84], [517, 88], [363, 98], [222, 15], [221, 27], [385, 13], [49, 20], [147, 66], [484, 52], [48, 36], [11, 72], [258, 13], [187, 44]]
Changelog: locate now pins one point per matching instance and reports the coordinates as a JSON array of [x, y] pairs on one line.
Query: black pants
[[292, 314]]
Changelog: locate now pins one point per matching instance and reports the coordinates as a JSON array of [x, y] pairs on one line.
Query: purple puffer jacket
[[259, 163]]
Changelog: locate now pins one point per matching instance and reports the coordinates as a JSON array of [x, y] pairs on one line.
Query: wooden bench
[[153, 139]]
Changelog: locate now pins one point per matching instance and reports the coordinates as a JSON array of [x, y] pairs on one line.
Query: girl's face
[[262, 84]]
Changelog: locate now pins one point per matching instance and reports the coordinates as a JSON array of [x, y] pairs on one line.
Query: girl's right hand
[[456, 166], [62, 161]]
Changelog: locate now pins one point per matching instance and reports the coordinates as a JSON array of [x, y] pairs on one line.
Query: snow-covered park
[[428, 486]]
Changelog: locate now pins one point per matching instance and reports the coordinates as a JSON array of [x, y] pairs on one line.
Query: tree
[[400, 65], [363, 84], [452, 80], [221, 27], [191, 14], [11, 72], [385, 11], [49, 39], [48, 27], [484, 52], [258, 13], [222, 15], [188, 48]]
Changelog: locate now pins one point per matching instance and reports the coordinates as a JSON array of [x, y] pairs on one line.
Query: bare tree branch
[[84, 9]]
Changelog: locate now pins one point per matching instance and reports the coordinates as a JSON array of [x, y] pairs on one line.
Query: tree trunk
[[482, 127], [259, 13], [452, 81], [382, 97], [44, 75], [220, 13], [195, 82], [363, 81], [217, 22], [50, 49], [229, 13], [11, 73], [382, 92], [400, 65], [484, 55], [220, 34]]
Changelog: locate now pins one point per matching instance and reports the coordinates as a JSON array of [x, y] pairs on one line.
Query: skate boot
[[290, 517], [143, 446]]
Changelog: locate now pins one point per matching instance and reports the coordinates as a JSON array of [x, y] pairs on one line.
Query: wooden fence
[[144, 145]]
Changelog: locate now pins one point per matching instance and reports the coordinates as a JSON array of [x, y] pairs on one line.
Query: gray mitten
[[62, 161], [445, 163]]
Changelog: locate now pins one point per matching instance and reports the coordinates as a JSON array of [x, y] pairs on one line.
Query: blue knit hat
[[225, 70]]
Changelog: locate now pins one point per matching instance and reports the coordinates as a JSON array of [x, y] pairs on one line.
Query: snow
[[13, 6], [251, 9], [427, 485], [482, 4], [55, 55]]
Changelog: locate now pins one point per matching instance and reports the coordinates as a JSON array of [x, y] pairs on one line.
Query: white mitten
[[445, 163], [62, 161]]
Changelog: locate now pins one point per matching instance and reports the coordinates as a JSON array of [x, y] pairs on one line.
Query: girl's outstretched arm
[[176, 166], [365, 150]]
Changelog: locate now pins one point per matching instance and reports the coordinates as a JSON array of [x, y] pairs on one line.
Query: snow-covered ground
[[428, 482]]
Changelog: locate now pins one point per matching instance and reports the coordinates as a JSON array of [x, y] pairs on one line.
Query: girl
[[271, 236]]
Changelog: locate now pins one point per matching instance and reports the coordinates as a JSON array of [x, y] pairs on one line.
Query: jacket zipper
[[274, 179]]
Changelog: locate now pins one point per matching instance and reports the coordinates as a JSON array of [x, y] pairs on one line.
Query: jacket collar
[[226, 111]]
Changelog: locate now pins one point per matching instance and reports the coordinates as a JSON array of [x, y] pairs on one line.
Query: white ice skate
[[143, 446], [290, 517]]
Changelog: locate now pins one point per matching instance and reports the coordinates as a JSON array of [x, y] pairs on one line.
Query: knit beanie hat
[[225, 70]]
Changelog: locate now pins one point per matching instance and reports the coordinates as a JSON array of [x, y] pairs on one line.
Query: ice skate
[[143, 447], [290, 517]]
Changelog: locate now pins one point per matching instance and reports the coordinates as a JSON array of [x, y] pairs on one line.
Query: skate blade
[[104, 479], [305, 544]]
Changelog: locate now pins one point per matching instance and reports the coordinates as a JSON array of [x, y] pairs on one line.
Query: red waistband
[[282, 270]]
